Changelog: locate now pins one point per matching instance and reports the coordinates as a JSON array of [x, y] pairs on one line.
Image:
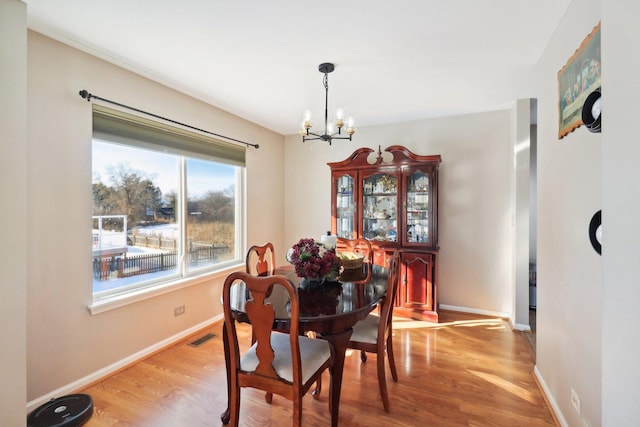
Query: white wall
[[66, 343], [533, 193], [521, 182], [13, 227], [620, 293], [474, 262], [569, 171]]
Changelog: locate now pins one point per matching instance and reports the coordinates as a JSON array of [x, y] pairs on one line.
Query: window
[[167, 204]]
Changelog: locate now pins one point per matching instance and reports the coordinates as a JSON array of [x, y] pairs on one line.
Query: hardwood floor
[[466, 370], [531, 335]]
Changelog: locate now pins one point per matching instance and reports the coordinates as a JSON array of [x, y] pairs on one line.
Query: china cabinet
[[390, 197]]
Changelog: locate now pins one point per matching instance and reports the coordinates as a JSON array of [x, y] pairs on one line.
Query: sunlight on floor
[[400, 323], [506, 385]]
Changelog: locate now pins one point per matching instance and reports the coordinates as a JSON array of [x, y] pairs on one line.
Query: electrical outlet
[[575, 401], [179, 310]]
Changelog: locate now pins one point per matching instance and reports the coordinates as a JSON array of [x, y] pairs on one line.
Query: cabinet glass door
[[345, 207], [418, 208], [379, 209]]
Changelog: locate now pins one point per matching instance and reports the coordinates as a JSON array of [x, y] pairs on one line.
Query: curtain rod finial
[[86, 95]]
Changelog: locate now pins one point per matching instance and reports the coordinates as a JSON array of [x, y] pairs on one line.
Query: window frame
[[167, 138]]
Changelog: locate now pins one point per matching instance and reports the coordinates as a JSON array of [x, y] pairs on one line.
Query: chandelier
[[331, 130]]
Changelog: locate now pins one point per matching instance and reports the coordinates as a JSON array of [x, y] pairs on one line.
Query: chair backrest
[[261, 260], [261, 315], [386, 308], [361, 247]]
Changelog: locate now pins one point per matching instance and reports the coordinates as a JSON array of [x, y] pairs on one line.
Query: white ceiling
[[395, 60]]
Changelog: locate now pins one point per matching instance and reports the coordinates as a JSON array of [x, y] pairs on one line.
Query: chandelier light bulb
[[306, 123], [350, 127], [330, 129], [339, 118]]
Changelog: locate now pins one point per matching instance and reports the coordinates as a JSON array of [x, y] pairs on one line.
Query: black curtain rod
[[86, 95]]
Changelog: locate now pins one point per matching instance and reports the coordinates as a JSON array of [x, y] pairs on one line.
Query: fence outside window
[[122, 265]]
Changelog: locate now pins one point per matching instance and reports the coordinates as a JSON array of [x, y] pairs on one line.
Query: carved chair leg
[[382, 382], [392, 359], [234, 410], [268, 397], [297, 411], [363, 356], [316, 391], [226, 415]]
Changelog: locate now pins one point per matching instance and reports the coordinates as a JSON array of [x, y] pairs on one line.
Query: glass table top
[[328, 299]]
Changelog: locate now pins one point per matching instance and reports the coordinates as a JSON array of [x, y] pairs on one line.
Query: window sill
[[116, 301]]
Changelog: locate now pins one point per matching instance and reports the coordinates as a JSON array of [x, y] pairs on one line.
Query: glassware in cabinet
[[379, 213], [418, 208], [345, 206]]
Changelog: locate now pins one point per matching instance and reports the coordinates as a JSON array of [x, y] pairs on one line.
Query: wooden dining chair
[[359, 247], [374, 333], [261, 260], [287, 364]]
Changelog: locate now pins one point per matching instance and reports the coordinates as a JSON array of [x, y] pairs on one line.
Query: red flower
[[314, 261]]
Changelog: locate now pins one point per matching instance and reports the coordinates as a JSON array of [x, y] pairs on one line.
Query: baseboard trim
[[100, 374], [474, 311], [520, 327], [503, 315], [546, 393]]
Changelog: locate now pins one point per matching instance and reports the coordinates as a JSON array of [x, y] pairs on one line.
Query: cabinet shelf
[[380, 194]]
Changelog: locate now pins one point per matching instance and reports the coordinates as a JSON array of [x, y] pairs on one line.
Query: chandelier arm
[[327, 138]]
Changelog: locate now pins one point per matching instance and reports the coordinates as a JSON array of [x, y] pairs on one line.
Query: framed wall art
[[576, 80]]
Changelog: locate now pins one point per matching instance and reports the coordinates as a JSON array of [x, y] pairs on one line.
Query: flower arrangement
[[313, 261]]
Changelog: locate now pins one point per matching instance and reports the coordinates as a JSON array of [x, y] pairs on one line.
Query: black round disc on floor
[[68, 411]]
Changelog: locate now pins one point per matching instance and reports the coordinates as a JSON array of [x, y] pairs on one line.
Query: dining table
[[329, 310]]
